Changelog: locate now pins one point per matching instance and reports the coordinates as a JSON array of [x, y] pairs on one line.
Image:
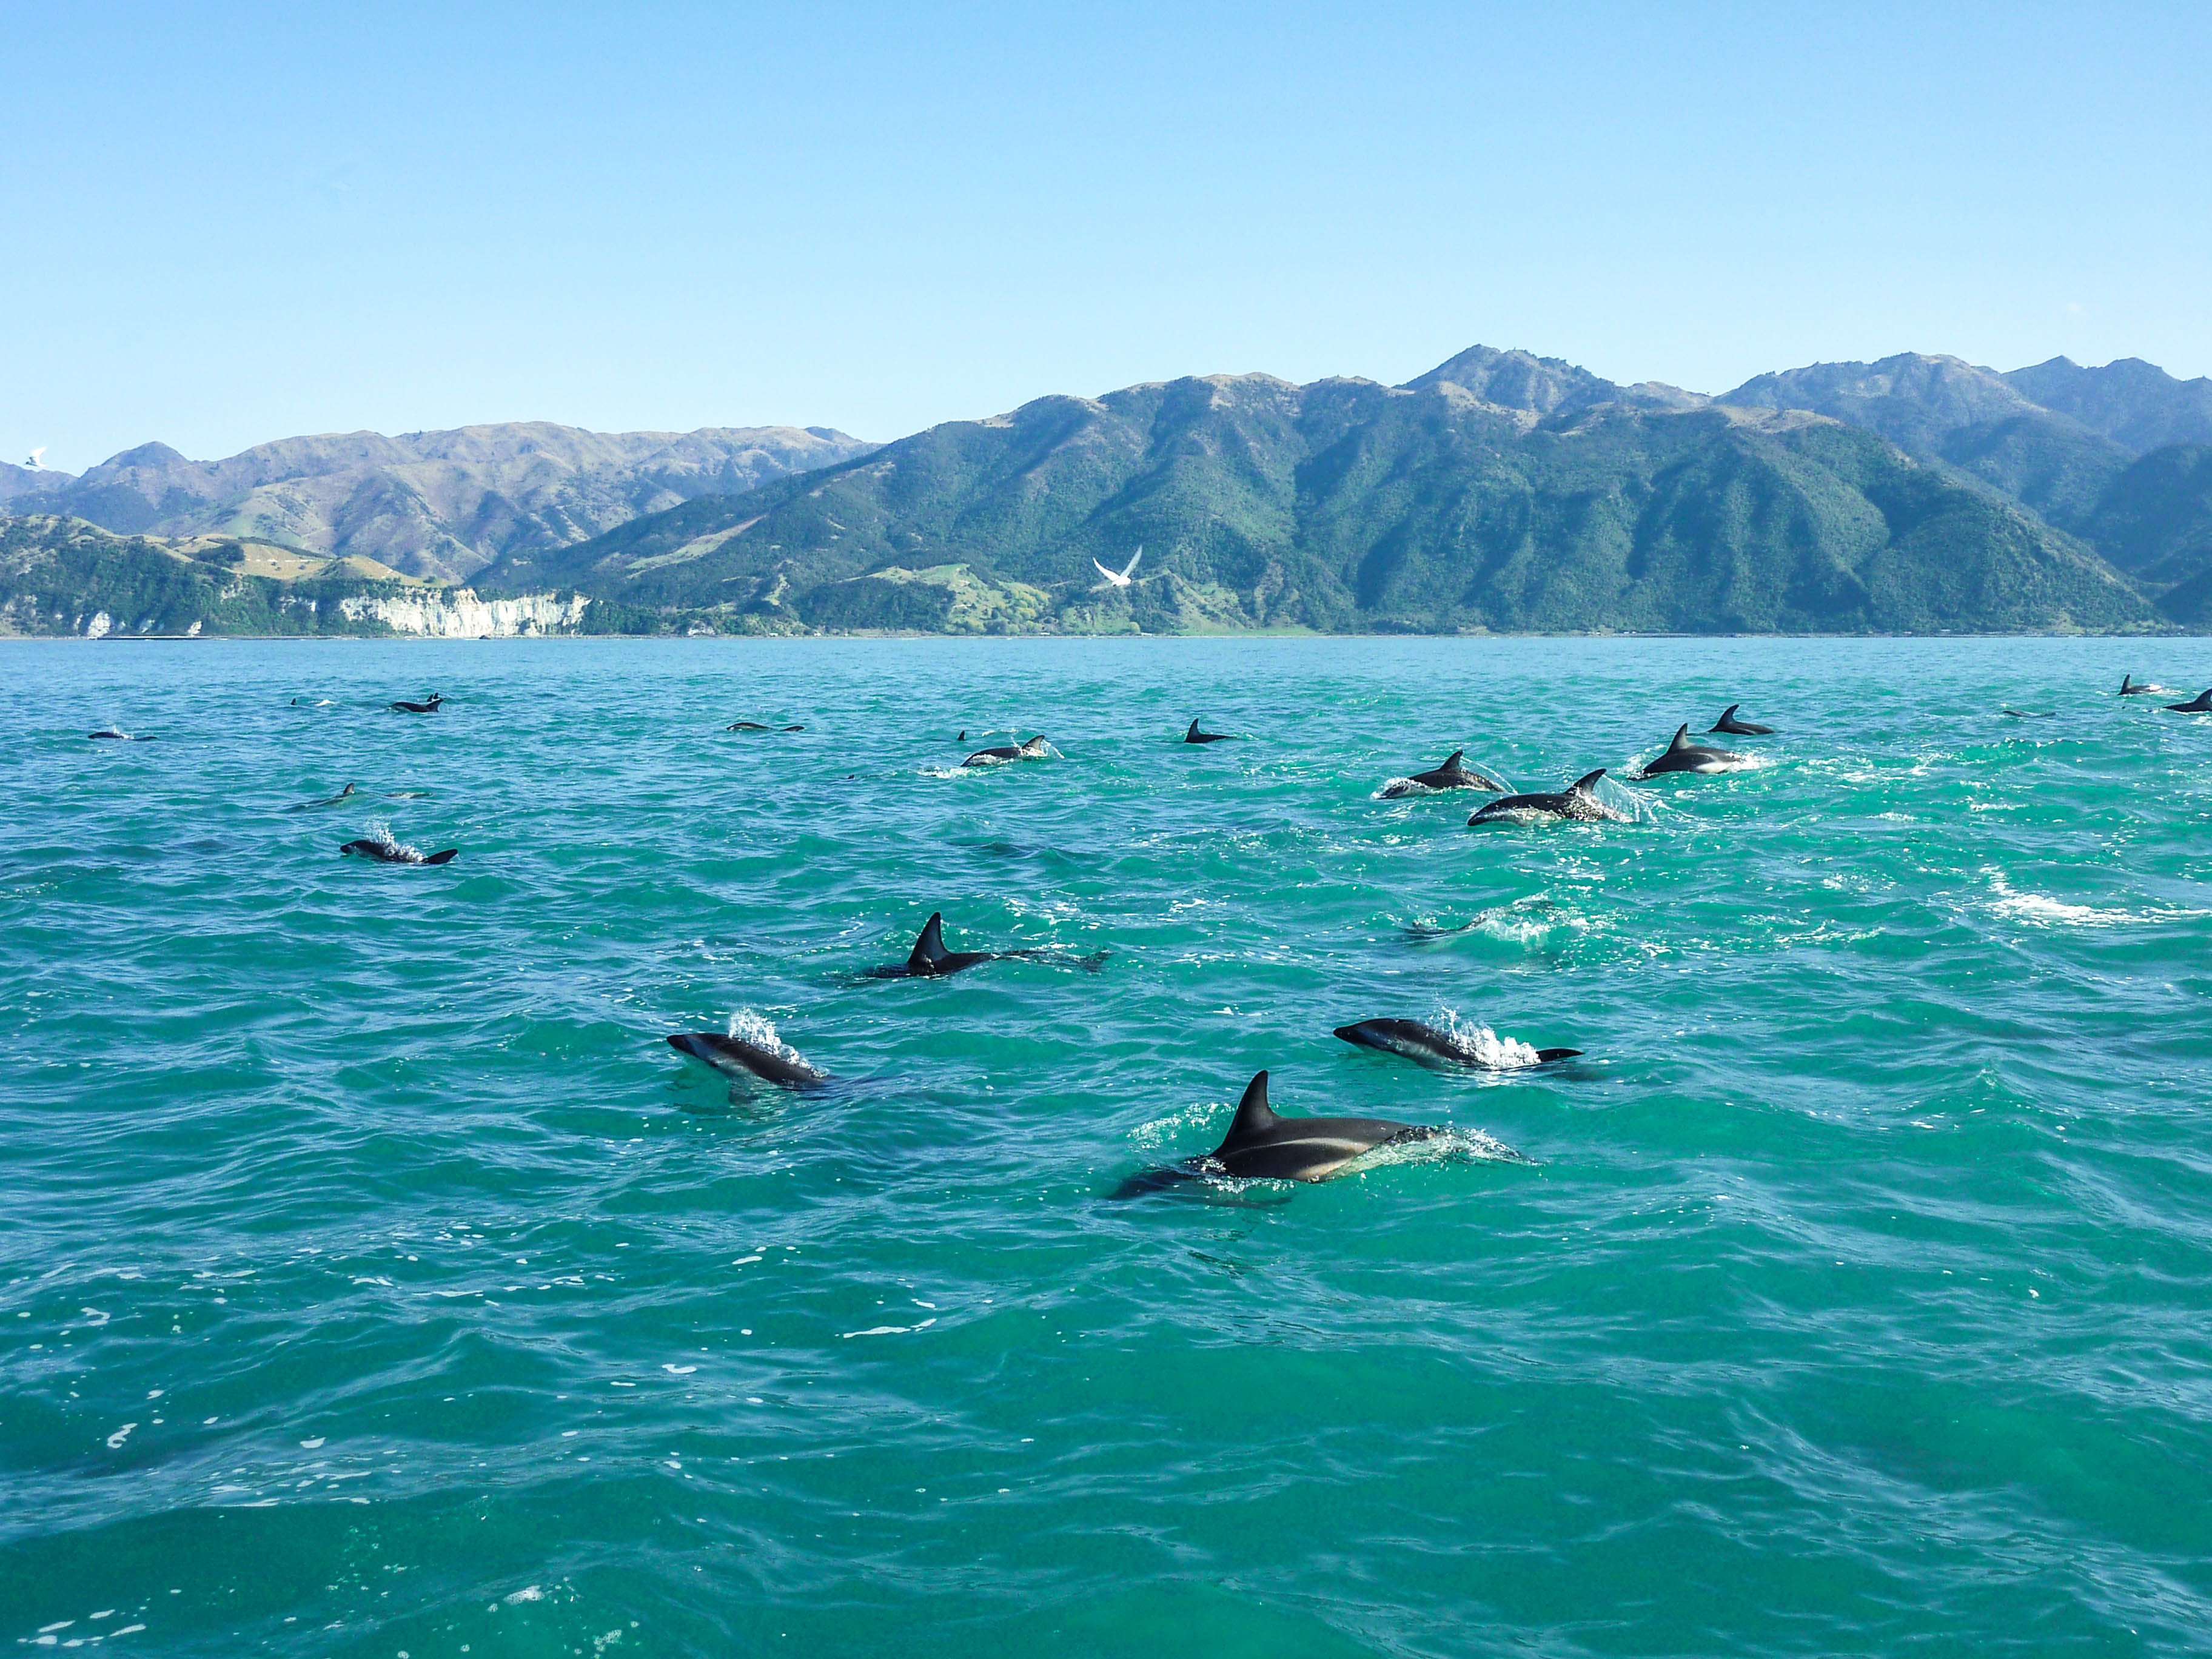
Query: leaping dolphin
[[1263, 1146], [1575, 802], [1002, 753], [1414, 1041], [1196, 736], [1735, 728], [2202, 704], [735, 1057], [428, 706], [1683, 756], [1450, 776], [386, 851]]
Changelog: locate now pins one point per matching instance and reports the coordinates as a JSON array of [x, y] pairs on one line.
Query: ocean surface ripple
[[378, 1281]]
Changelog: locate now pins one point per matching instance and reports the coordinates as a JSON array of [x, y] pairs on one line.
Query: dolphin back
[[928, 954], [732, 1054], [1254, 1118]]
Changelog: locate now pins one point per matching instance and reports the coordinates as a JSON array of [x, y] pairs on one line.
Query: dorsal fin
[[1194, 730], [348, 790], [1583, 786], [2126, 681], [1729, 712], [1452, 760], [1253, 1115], [1681, 738], [929, 949]]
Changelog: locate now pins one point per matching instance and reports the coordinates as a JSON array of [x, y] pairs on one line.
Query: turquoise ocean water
[[377, 1281]]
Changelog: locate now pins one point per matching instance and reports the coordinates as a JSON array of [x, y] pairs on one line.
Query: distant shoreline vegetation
[[1501, 494], [63, 578]]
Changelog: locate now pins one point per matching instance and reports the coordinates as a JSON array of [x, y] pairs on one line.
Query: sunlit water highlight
[[378, 1280]]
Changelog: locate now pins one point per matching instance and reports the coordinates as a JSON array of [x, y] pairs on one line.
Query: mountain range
[[1499, 491], [441, 505]]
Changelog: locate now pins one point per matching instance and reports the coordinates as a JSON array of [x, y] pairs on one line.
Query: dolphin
[[429, 705], [1728, 723], [738, 1058], [1574, 801], [2129, 687], [328, 800], [755, 726], [2033, 713], [2202, 704], [1683, 756], [118, 735], [1415, 1041], [1450, 776], [1260, 1145], [1196, 736], [929, 959], [385, 852], [1035, 749]]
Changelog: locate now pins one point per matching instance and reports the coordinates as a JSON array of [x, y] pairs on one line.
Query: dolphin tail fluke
[[1547, 1055], [1253, 1115], [929, 949], [1583, 786], [446, 857]]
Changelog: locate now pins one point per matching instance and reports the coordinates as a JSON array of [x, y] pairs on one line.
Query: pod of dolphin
[[1261, 1144]]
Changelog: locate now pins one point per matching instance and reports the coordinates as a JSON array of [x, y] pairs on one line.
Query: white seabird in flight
[[1120, 578]]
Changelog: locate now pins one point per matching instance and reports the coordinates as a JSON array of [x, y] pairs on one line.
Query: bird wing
[[1132, 565], [1105, 572]]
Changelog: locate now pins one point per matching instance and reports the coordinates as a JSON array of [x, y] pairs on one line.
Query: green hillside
[[1349, 506], [62, 576]]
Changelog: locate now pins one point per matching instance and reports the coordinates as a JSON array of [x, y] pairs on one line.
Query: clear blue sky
[[225, 224]]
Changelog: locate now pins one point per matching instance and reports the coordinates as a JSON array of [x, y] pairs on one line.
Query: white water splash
[[746, 1026], [379, 831], [1486, 1047]]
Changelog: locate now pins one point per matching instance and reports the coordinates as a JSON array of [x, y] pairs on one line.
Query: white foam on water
[[2046, 911], [1447, 1146], [1162, 1132], [888, 1330]]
